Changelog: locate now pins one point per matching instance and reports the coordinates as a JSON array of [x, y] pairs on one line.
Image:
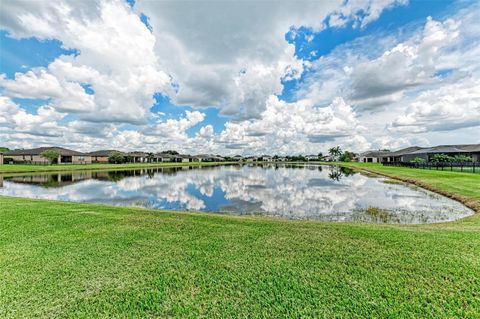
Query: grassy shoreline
[[75, 260], [463, 187], [30, 168]]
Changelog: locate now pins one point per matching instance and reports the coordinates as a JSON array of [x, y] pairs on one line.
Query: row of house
[[67, 156], [426, 153]]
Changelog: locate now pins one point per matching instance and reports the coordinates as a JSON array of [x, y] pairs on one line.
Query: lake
[[302, 191]]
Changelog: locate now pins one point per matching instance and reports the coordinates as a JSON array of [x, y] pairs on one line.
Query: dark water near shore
[[289, 191]]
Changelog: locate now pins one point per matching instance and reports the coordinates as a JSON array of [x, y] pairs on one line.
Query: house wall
[[81, 159], [28, 159], [369, 159], [1, 159], [37, 159], [99, 159]]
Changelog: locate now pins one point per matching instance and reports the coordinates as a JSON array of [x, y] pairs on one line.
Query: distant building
[[402, 155], [33, 156], [372, 156], [311, 157], [165, 157]]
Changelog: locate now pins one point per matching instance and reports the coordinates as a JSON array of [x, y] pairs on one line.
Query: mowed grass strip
[[26, 168], [76, 260]]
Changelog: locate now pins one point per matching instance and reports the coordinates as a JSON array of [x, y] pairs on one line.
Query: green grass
[[459, 185], [86, 260]]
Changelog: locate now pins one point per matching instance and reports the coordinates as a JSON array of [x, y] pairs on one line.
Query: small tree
[[335, 152], [116, 158], [50, 155], [320, 156], [347, 156]]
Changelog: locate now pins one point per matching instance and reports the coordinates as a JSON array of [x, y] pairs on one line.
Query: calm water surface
[[289, 191]]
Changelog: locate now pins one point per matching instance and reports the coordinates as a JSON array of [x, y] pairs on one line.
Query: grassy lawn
[[85, 260], [464, 187]]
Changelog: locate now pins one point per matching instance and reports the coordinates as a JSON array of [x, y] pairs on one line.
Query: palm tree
[[150, 157]]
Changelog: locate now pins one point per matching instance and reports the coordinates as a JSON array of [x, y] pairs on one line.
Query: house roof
[[405, 151], [466, 148], [470, 147], [375, 153], [165, 155], [39, 150], [137, 153], [103, 152]]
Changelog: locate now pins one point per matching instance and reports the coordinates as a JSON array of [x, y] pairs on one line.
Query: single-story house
[[138, 157], [311, 157], [266, 158], [207, 158], [33, 156], [183, 158], [426, 153], [202, 158], [472, 150], [402, 155], [101, 156], [238, 158], [165, 157], [372, 156]]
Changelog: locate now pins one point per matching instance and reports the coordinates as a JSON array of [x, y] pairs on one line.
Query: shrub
[[50, 155], [116, 158], [418, 160]]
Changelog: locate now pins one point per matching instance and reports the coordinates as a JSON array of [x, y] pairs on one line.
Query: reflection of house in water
[[51, 180], [68, 178]]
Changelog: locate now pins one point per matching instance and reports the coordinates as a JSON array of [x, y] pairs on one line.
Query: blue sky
[[161, 76]]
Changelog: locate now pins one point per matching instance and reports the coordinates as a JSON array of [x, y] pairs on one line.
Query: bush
[[116, 158], [462, 158], [51, 156], [441, 158], [418, 160]]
